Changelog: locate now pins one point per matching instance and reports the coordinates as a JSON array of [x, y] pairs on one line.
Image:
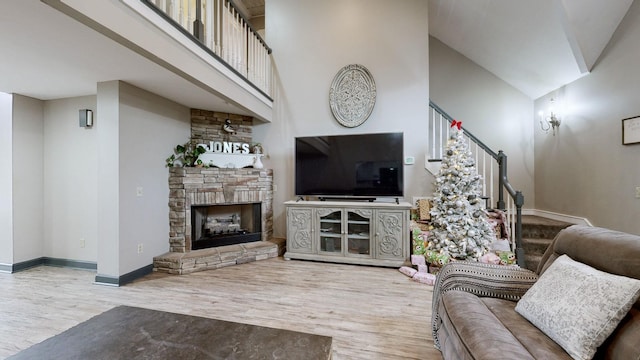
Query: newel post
[[502, 170]]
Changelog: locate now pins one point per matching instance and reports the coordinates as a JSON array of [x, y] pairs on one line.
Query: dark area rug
[[134, 333]]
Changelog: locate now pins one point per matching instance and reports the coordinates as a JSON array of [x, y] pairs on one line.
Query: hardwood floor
[[371, 312]]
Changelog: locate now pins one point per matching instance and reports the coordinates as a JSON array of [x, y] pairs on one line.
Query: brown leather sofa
[[473, 304]]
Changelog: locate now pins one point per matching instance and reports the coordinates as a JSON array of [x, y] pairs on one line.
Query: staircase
[[530, 235], [537, 234]]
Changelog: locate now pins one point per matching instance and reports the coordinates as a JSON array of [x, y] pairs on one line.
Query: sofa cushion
[[623, 344], [578, 306], [607, 250], [535, 341], [476, 332]]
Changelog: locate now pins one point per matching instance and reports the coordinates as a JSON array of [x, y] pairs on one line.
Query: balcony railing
[[219, 27]]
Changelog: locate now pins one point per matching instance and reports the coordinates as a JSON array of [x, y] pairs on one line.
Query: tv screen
[[366, 165]]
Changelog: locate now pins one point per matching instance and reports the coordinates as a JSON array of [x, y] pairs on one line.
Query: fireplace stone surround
[[213, 186], [195, 186]]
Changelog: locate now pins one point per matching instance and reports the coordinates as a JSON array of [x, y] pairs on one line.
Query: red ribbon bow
[[457, 123]]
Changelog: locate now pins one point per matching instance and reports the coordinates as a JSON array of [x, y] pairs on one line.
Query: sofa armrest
[[484, 280]]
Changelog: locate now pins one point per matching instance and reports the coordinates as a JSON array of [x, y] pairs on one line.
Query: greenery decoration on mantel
[[186, 155]]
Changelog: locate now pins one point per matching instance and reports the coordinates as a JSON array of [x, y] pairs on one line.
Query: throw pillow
[[578, 306]]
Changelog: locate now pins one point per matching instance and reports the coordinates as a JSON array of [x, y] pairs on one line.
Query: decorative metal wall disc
[[352, 95]]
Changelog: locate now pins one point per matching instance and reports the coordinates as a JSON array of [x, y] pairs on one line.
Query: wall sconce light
[[551, 121], [86, 118]]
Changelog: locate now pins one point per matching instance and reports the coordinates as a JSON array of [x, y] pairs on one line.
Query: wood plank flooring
[[371, 312]]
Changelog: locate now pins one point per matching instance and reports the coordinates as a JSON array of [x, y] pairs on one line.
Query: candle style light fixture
[[551, 121]]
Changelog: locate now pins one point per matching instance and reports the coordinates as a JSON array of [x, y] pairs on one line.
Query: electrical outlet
[[140, 249], [409, 160], [637, 192], [275, 188], [82, 242], [139, 191]]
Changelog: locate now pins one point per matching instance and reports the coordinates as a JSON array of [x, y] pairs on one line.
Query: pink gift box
[[424, 278], [418, 260]]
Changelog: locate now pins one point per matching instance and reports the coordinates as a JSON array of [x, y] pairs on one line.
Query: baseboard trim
[[556, 216], [75, 264], [6, 268], [124, 279], [48, 261], [24, 265], [106, 280]]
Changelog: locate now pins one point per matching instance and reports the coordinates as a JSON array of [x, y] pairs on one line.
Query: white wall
[[313, 41], [138, 131], [106, 125], [28, 178], [585, 170], [70, 181], [492, 110], [6, 179], [150, 127]]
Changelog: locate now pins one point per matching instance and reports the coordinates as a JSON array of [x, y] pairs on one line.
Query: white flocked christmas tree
[[459, 220]]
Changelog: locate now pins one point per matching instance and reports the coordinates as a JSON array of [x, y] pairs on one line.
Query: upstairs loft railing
[[219, 28], [493, 168]]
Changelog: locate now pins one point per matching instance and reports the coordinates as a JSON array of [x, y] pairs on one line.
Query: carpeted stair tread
[[535, 245], [537, 235], [541, 228], [531, 261], [537, 220]]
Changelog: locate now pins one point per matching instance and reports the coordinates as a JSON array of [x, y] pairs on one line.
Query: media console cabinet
[[352, 232]]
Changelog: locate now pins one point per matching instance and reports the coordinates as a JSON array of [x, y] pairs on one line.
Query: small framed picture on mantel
[[631, 130]]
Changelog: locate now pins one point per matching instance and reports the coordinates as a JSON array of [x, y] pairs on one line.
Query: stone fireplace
[[199, 188], [218, 216], [220, 225]]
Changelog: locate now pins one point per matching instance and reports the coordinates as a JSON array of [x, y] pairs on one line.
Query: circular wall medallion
[[352, 95]]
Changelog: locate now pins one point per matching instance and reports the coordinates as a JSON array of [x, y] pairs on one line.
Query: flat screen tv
[[365, 165]]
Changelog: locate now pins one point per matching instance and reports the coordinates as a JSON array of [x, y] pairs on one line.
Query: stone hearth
[[217, 257]]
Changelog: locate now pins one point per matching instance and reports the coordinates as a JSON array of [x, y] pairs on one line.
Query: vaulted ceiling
[[536, 46]]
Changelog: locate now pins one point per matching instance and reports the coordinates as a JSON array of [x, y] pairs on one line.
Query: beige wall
[[492, 110], [584, 170], [312, 41]]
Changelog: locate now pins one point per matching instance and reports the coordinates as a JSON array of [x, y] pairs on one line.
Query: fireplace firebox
[[228, 224]]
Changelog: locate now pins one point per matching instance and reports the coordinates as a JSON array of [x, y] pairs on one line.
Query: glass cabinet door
[[331, 232], [358, 234]]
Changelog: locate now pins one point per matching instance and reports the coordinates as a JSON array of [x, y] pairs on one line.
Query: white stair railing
[[485, 158]]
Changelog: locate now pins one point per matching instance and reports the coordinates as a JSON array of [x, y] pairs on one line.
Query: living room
[[76, 188]]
